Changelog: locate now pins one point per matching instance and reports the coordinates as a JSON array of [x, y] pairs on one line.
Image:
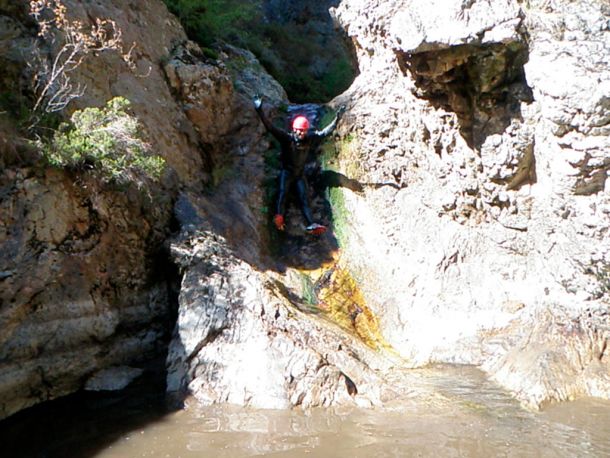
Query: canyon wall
[[472, 221], [481, 129], [87, 283]]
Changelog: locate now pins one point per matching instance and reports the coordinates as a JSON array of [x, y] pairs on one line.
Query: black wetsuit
[[293, 157]]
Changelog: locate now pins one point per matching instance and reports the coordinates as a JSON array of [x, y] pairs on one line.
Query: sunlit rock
[[481, 137], [239, 339]]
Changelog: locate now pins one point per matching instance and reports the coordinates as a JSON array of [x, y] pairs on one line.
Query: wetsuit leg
[[302, 194], [283, 183]]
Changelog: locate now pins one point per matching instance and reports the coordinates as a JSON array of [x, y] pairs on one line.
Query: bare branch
[[52, 80]]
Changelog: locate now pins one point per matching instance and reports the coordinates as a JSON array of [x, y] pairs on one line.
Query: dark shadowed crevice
[[351, 387], [309, 56], [167, 273], [526, 170], [85, 423], [484, 85]]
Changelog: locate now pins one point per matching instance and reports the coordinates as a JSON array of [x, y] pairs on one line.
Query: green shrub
[[106, 140], [287, 51], [206, 21], [296, 54]]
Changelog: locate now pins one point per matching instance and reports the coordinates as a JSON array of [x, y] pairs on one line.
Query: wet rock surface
[[497, 217], [243, 338]]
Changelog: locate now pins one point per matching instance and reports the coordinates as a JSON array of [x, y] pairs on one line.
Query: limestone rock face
[[484, 156], [77, 291], [84, 283], [240, 340], [559, 355], [243, 334], [217, 99]]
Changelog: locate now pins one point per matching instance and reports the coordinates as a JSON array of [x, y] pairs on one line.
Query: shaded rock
[[112, 379], [251, 78], [206, 90], [85, 286], [72, 301]]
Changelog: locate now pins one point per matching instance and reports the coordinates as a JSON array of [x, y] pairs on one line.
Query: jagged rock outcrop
[[239, 339], [85, 285], [474, 216], [217, 99], [484, 126]]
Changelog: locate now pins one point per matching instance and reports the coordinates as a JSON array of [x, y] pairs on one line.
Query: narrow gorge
[[466, 188]]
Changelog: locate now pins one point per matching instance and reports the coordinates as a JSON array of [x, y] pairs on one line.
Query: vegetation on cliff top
[[287, 50], [107, 141]]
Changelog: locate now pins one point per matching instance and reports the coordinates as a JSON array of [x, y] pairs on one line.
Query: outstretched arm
[[275, 131], [328, 129]]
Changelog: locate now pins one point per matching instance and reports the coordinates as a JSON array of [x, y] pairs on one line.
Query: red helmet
[[301, 123]]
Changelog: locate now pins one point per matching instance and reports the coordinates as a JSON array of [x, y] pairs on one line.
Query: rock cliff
[[490, 122], [87, 283], [84, 278], [469, 198]]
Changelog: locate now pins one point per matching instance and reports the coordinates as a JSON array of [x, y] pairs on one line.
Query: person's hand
[[258, 102]]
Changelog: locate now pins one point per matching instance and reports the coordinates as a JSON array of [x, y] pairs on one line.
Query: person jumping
[[295, 148]]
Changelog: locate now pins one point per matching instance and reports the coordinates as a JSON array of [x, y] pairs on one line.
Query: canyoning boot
[[278, 220], [315, 229]]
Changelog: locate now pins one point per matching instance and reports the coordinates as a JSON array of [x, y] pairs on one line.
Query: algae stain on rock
[[336, 293]]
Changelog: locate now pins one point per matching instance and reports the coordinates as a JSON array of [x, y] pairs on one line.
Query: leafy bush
[[106, 140], [206, 21], [288, 51]]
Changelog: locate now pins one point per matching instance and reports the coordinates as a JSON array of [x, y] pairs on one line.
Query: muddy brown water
[[453, 412]]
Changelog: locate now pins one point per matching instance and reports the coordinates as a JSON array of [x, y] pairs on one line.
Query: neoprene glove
[[340, 111]]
